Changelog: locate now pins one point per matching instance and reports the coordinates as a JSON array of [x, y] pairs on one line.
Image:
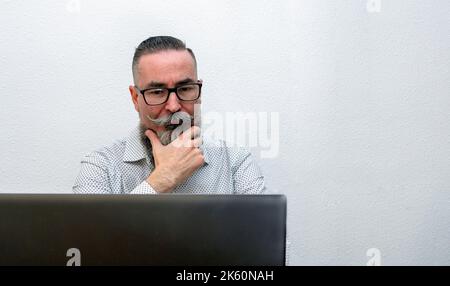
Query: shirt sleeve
[[247, 175], [143, 188], [94, 178]]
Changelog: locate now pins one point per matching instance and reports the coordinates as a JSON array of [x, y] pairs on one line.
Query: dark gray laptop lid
[[169, 229]]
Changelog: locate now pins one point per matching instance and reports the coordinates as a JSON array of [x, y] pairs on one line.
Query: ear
[[134, 97]]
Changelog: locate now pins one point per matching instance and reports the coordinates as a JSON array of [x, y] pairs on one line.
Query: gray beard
[[167, 136]]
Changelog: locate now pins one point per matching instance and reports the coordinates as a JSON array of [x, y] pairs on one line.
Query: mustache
[[174, 124], [173, 119]]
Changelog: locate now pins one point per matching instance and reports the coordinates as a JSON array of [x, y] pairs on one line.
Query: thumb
[[153, 138]]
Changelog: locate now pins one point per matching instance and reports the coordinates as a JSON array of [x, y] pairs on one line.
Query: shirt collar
[[135, 150]]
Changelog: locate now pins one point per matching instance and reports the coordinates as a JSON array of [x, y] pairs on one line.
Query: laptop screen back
[[168, 229]]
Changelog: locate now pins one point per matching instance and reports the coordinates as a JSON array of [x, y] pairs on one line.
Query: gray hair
[[157, 44]]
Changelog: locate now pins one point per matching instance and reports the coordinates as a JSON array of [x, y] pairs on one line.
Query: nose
[[173, 104]]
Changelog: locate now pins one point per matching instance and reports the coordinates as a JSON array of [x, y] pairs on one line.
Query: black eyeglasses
[[185, 92]]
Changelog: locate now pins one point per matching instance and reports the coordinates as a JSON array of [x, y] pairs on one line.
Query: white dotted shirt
[[123, 167]]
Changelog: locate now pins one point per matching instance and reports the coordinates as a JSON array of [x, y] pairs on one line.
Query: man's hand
[[175, 162]]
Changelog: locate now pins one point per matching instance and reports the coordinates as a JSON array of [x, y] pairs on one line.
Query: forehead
[[166, 67]]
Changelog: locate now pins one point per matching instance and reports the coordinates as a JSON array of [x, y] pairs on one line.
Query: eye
[[185, 88], [155, 92]]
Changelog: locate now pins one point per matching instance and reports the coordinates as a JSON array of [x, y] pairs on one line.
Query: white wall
[[363, 98]]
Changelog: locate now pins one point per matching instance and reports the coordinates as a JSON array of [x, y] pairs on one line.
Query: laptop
[[162, 230]]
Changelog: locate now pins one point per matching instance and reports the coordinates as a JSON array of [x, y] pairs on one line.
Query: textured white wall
[[363, 98]]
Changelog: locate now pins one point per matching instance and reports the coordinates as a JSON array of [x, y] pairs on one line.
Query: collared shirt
[[124, 166]]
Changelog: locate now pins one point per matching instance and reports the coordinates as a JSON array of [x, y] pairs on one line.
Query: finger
[[191, 133], [197, 142], [153, 138]]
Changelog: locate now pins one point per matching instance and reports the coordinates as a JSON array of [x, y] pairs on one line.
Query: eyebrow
[[163, 85]]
